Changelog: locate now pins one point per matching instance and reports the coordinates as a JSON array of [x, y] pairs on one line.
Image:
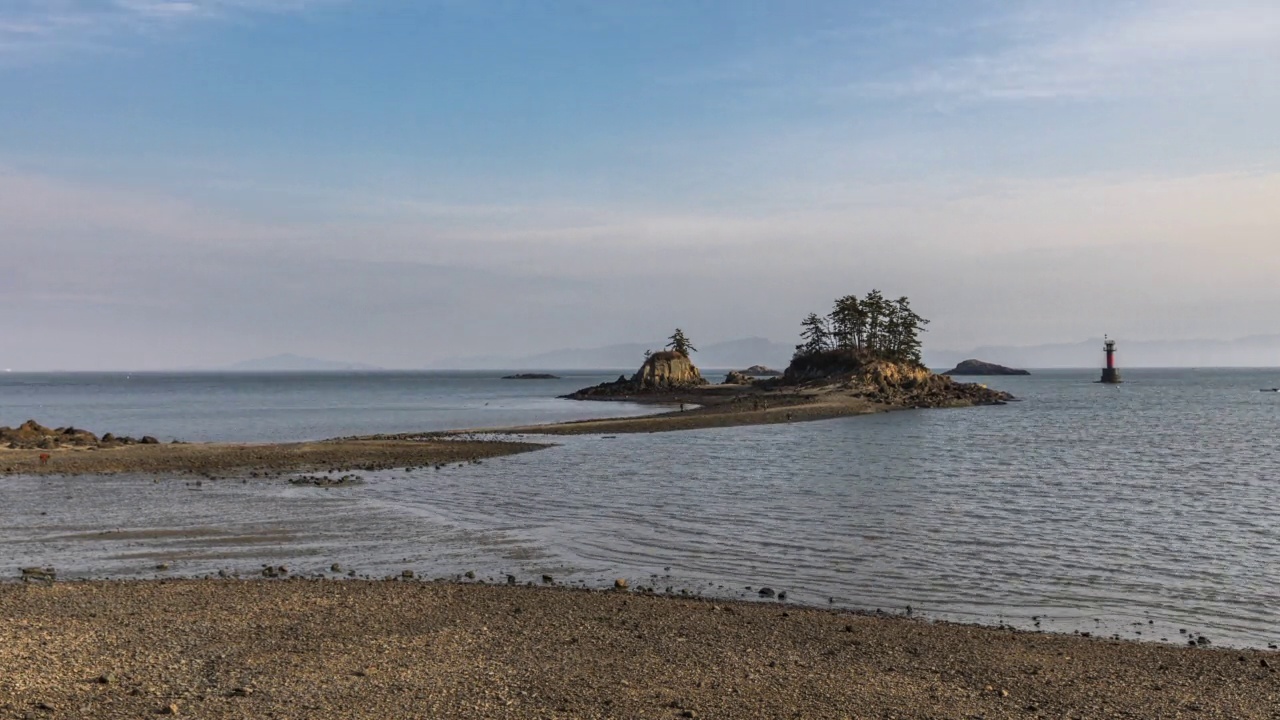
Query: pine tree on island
[[861, 329], [816, 335], [679, 342]]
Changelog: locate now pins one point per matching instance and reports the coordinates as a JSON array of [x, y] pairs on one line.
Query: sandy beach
[[396, 649]]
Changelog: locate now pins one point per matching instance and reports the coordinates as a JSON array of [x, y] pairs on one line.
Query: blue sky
[[194, 182]]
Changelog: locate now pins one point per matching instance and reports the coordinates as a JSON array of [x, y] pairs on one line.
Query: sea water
[[1139, 511]]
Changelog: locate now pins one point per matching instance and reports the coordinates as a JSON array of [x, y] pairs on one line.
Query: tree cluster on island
[[871, 325]]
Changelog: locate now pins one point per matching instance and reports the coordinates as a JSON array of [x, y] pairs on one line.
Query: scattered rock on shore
[[31, 435], [324, 481]]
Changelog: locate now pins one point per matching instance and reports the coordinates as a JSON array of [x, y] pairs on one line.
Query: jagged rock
[[737, 378], [978, 367]]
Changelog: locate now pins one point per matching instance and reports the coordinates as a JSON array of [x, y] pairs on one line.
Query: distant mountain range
[[1252, 351], [289, 362], [733, 354]]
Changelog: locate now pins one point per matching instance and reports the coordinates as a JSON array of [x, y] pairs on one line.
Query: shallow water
[[279, 407], [1147, 508]]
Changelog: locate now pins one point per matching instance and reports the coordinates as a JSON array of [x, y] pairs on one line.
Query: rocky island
[[663, 372], [531, 376], [760, 371], [978, 367], [863, 359]]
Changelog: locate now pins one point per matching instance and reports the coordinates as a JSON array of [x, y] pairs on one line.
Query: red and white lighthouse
[[1110, 373]]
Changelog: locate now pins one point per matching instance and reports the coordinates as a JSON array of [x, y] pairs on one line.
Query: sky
[[192, 183]]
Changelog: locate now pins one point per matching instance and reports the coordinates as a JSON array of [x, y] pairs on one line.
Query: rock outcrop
[[662, 372], [978, 367], [760, 371], [885, 381], [735, 377], [667, 370], [31, 435]]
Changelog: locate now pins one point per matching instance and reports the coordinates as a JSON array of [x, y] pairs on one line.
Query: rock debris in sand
[[356, 649]]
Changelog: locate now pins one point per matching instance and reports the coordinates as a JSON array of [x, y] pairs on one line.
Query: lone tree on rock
[[678, 342]]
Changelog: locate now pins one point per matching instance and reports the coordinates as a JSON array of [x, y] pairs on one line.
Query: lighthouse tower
[[1110, 373]]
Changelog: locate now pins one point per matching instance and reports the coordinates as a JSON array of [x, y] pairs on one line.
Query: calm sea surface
[[1137, 511]]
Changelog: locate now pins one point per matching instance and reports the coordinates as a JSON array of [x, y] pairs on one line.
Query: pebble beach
[[307, 648]]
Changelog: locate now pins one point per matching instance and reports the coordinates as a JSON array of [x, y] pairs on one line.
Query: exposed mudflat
[[203, 459], [357, 649], [749, 410]]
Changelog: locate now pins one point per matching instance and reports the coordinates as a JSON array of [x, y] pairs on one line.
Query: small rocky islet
[[980, 367], [531, 376]]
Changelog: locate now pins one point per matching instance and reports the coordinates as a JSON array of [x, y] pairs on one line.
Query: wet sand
[[779, 410], [355, 649], [212, 458]]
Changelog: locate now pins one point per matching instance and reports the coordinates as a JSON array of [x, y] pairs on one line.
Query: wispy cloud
[[32, 29], [1091, 50]]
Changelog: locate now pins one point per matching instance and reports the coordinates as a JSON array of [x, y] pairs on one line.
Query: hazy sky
[[398, 181]]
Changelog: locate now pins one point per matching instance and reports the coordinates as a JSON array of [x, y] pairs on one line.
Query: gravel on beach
[[410, 649]]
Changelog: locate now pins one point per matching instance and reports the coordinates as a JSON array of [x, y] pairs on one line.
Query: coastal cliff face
[[666, 371]]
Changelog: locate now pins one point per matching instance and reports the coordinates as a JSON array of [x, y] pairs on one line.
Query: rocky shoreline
[[405, 648]]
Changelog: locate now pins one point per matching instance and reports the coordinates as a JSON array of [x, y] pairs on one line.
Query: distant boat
[[1269, 390]]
